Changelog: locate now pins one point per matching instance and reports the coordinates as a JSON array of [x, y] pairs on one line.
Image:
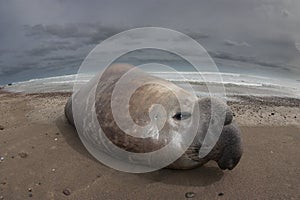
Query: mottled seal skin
[[226, 152]]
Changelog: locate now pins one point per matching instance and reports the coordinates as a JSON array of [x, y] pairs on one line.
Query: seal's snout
[[231, 148], [227, 151], [227, 161]]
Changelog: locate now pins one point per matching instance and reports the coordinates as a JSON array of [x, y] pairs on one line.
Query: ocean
[[235, 84]]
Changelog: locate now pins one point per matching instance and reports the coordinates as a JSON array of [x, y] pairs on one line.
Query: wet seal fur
[[226, 152]]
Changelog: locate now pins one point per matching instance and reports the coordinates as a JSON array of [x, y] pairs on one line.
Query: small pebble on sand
[[23, 155], [1, 158], [1, 127], [67, 191], [189, 194], [221, 194]]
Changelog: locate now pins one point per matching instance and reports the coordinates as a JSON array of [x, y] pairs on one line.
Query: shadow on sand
[[201, 176], [71, 137]]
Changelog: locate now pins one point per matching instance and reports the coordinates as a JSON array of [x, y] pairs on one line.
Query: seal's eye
[[182, 115]]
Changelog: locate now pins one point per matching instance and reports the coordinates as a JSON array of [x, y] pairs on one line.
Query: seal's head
[[225, 142], [227, 150]]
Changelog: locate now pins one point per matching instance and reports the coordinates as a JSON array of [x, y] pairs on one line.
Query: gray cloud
[[2, 52], [56, 34], [237, 44], [285, 13], [47, 48], [61, 58], [94, 32], [9, 70], [250, 60], [197, 36], [5, 52], [102, 34], [64, 37], [68, 30], [62, 31]]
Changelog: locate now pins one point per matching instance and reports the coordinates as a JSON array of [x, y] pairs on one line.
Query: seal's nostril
[[227, 165], [230, 164]]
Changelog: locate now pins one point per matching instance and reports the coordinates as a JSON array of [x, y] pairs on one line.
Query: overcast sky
[[51, 37]]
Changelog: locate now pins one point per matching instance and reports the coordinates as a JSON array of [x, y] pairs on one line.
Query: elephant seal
[[162, 109]]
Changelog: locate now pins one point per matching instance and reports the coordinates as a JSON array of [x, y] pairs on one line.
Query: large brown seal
[[173, 116]]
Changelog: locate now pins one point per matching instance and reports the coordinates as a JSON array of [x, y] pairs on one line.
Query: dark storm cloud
[[250, 60], [93, 32], [46, 49], [70, 36], [2, 52], [102, 34], [69, 30], [5, 52], [13, 69], [59, 33], [197, 36], [61, 58], [237, 44], [71, 61]]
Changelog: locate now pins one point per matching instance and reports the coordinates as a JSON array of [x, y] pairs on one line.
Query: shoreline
[[43, 157], [239, 84], [248, 110]]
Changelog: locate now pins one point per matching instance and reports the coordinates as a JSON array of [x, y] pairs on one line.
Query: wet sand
[[44, 159]]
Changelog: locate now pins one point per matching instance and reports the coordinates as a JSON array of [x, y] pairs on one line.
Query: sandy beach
[[42, 157]]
